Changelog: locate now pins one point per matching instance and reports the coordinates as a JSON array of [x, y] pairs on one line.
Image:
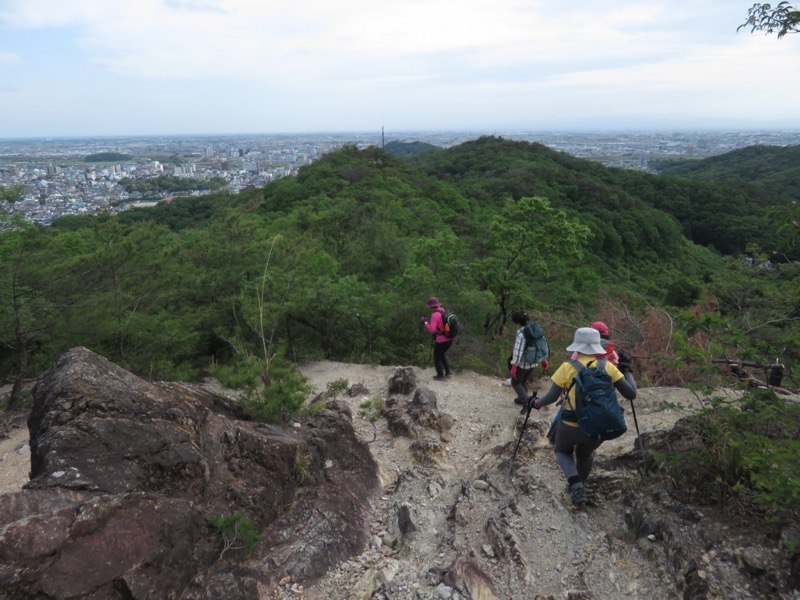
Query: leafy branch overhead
[[780, 19]]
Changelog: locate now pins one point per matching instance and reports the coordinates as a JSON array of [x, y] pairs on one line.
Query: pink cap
[[601, 327], [433, 302]]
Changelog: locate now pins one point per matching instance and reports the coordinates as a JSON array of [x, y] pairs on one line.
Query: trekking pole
[[531, 401], [638, 435], [626, 360]]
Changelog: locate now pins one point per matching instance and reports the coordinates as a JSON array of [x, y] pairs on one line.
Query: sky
[[164, 67]]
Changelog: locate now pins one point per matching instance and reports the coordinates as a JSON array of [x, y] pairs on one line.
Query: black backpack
[[536, 347], [597, 410], [450, 324]]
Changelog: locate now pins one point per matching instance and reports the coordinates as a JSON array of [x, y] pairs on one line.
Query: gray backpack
[[536, 347]]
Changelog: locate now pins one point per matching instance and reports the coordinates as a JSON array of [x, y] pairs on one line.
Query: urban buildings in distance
[[73, 176]]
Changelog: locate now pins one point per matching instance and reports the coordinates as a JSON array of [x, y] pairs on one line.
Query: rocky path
[[508, 528], [470, 523]]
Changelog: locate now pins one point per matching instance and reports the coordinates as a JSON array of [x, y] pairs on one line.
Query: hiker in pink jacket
[[441, 343]]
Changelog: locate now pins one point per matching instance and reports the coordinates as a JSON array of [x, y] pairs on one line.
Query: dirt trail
[[475, 495]]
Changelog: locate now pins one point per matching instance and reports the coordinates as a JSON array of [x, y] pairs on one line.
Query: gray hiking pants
[[520, 384], [574, 451]]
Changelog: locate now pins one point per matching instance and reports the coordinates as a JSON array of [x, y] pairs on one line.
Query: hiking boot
[[578, 493], [448, 374], [439, 378], [507, 383]]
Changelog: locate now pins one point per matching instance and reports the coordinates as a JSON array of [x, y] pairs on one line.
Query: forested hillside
[[774, 168], [719, 213], [338, 261]]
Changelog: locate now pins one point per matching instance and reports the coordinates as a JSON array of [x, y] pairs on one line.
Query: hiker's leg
[[584, 456], [440, 362], [518, 384], [524, 376], [438, 356], [522, 393], [566, 439], [445, 363]]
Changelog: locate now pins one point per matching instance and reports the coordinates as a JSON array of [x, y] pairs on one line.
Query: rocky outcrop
[[690, 538], [403, 381], [419, 418], [125, 474]]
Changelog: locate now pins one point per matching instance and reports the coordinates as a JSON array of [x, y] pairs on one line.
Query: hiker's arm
[[627, 386], [519, 347], [553, 394], [435, 324]]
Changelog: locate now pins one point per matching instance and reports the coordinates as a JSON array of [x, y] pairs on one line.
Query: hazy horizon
[[426, 132]]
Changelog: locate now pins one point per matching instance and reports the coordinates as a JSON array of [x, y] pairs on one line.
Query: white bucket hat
[[587, 341]]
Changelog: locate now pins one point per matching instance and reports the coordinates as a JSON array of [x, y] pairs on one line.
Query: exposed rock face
[[694, 543], [419, 417], [125, 474], [403, 381]]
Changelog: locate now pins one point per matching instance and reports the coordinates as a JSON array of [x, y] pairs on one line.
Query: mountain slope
[[776, 169], [617, 202]]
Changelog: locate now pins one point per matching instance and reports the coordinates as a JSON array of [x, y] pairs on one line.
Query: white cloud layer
[[150, 66]]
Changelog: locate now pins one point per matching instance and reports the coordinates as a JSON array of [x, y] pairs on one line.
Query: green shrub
[[236, 531], [372, 409], [282, 395], [239, 374], [337, 387], [745, 454], [272, 393], [302, 463]]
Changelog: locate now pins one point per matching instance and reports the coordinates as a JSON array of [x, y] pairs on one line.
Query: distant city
[[56, 179]]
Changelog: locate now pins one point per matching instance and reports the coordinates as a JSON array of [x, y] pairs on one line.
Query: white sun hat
[[587, 341]]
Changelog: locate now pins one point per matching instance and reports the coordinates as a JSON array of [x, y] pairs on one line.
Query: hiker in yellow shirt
[[573, 449]]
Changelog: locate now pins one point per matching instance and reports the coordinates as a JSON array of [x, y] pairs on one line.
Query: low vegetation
[[236, 531], [742, 455]]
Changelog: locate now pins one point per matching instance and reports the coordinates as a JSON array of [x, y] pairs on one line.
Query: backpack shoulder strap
[[579, 365], [534, 330]]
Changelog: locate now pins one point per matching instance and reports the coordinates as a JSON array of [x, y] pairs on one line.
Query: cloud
[[346, 62], [53, 13], [9, 58], [201, 5], [353, 39]]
